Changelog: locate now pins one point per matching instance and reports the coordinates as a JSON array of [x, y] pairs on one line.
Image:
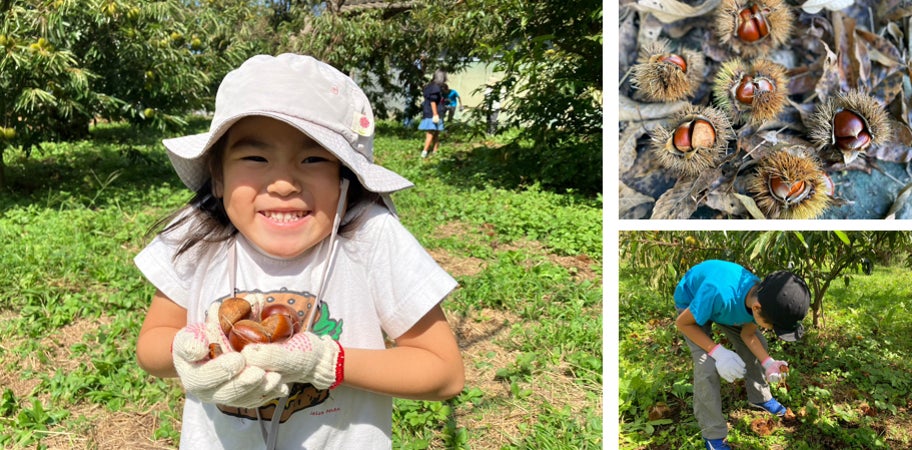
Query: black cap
[[785, 299]]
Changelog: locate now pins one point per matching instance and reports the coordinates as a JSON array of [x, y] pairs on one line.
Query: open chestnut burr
[[754, 92], [663, 75], [847, 125], [755, 27], [697, 138], [790, 184]]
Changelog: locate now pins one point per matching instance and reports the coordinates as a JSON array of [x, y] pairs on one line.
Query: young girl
[[290, 209], [432, 109]]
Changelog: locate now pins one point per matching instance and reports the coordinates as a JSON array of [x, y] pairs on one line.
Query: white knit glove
[[227, 379], [304, 358], [436, 119], [729, 365], [774, 372]]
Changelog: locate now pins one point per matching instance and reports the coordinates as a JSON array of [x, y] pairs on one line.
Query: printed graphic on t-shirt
[[302, 395]]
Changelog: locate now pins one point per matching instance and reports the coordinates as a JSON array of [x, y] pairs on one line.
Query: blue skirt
[[429, 125]]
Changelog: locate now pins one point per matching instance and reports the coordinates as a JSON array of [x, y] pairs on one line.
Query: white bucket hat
[[303, 92]]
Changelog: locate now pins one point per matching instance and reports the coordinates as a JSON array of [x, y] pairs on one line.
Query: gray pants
[[707, 399]]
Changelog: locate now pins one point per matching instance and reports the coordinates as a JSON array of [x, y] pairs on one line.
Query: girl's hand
[[304, 358], [227, 379]]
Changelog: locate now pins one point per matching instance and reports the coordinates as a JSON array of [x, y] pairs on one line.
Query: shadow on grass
[[515, 166], [119, 163]]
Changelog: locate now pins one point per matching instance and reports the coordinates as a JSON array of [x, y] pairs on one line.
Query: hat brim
[[790, 334], [186, 154]]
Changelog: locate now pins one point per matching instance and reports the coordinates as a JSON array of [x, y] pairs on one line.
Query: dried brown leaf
[[862, 63], [727, 202], [829, 80], [887, 90], [901, 200], [676, 203], [815, 6], [629, 202], [880, 49], [650, 28], [844, 31], [630, 110], [627, 148], [669, 11], [750, 205]]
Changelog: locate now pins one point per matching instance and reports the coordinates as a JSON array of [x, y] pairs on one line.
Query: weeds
[[848, 383], [71, 302]]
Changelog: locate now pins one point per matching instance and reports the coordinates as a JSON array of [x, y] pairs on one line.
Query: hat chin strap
[[272, 435]]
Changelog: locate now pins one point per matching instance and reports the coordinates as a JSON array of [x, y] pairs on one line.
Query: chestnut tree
[[820, 257]]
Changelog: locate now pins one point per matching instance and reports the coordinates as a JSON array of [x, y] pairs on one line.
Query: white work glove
[[774, 369], [227, 379], [303, 358], [436, 119], [728, 363]]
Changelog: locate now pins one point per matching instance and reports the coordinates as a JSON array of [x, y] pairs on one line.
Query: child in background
[[453, 102], [431, 112], [290, 209], [738, 302]]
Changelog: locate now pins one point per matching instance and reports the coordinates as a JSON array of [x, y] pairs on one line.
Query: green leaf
[[843, 237]]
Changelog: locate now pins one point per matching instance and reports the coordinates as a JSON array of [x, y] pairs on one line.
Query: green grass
[[73, 215], [848, 382]]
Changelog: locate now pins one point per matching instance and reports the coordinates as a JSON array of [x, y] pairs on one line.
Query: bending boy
[[740, 303]]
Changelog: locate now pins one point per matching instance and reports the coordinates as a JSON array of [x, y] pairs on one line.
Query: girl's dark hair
[[209, 223]]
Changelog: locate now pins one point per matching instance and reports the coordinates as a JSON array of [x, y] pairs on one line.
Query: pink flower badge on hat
[[362, 124]]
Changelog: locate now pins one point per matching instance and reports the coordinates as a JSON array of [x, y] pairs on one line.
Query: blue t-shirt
[[715, 291], [452, 97]]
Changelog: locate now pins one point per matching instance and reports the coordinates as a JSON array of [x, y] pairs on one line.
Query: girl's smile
[[279, 187]]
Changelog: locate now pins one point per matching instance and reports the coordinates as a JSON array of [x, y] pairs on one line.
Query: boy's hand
[[775, 370], [304, 358], [729, 365]]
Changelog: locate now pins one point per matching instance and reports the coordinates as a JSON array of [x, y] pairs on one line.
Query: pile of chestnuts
[[750, 90], [276, 323]]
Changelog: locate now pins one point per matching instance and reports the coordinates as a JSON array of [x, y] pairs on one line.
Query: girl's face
[[279, 187]]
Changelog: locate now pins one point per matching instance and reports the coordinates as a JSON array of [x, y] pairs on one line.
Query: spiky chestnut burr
[[697, 137], [847, 125], [755, 27], [790, 184], [754, 93], [663, 76]]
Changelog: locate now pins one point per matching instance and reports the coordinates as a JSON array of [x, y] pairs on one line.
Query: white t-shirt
[[383, 281]]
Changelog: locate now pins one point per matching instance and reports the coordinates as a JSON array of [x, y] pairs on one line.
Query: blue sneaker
[[771, 406], [716, 444]]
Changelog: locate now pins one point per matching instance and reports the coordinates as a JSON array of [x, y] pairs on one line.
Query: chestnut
[[698, 133], [850, 131], [753, 24], [749, 87], [788, 192], [284, 310], [232, 310], [677, 60], [247, 332], [278, 327]]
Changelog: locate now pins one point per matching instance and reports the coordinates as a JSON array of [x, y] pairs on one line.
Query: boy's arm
[[153, 348], [425, 364], [687, 324], [749, 336]]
